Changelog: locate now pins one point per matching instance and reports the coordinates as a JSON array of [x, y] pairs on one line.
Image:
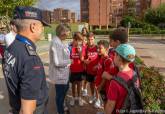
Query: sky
[[73, 5]]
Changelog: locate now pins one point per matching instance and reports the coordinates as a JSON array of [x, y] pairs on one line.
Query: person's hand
[[95, 68], [99, 88], [87, 61], [71, 61], [106, 75], [79, 50]]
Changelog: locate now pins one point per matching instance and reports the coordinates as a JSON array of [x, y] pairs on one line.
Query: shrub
[[153, 87], [137, 24], [155, 16], [102, 32]]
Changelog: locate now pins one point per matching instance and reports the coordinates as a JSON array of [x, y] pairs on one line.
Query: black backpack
[[133, 101]]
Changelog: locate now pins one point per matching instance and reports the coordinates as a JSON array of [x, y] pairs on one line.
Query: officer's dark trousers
[[61, 91]]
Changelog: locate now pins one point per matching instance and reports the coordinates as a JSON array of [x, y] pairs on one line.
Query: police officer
[[22, 67]]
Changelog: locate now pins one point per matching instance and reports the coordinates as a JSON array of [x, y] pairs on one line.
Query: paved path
[[152, 52]]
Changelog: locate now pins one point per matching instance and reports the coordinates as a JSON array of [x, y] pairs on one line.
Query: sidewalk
[[151, 51]]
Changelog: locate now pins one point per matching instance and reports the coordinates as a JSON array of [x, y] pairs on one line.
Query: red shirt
[[117, 92], [92, 56], [103, 65], [77, 65], [112, 69], [111, 53], [1, 50]]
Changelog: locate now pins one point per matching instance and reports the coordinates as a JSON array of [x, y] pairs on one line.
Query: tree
[[155, 16], [7, 6]]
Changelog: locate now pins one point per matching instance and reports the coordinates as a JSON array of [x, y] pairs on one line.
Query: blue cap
[[126, 51], [27, 12]]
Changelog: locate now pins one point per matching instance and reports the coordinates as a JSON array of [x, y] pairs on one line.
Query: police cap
[[27, 12]]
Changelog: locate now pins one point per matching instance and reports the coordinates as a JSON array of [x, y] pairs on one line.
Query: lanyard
[[22, 39]]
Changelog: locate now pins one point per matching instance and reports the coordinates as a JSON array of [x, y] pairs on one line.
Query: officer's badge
[[30, 50]]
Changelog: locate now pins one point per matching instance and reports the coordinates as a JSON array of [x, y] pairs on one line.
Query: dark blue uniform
[[24, 73]]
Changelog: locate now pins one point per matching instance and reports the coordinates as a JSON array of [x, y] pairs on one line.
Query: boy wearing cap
[[125, 54], [119, 36]]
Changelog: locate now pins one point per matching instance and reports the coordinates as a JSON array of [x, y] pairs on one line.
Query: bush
[[138, 24], [155, 16], [132, 31], [162, 31], [153, 88], [102, 32]]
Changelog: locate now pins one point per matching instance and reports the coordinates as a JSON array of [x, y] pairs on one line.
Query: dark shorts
[[78, 76], [90, 78], [103, 95]]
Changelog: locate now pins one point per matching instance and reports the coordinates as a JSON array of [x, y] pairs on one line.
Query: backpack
[[133, 101]]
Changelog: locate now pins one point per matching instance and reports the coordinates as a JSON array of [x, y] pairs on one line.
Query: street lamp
[[128, 27]]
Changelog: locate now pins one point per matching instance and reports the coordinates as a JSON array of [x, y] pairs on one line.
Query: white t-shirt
[[9, 38]]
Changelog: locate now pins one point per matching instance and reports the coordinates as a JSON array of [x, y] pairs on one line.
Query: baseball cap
[[28, 12], [126, 51]]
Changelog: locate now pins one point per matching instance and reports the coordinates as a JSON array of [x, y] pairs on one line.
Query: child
[[77, 67], [125, 54], [84, 33], [103, 65], [119, 36], [91, 61]]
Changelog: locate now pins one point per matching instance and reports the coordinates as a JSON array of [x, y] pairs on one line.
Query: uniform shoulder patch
[[30, 50]]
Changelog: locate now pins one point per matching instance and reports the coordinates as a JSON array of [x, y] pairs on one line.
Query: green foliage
[[137, 24], [7, 6], [153, 88], [138, 61], [73, 26], [147, 31], [102, 32], [155, 16]]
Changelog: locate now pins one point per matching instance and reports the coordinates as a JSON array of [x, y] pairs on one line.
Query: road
[[151, 51]]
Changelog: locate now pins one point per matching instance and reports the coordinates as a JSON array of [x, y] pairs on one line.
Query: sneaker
[[65, 106], [80, 102], [10, 112], [84, 92], [72, 102], [1, 96], [97, 104], [91, 100]]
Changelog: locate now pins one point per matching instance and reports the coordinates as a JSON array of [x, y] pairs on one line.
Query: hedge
[[132, 31], [152, 87]]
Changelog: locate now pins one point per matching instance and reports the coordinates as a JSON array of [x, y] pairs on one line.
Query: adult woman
[[59, 65]]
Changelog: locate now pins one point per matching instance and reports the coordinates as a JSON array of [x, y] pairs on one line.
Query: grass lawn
[[74, 28]]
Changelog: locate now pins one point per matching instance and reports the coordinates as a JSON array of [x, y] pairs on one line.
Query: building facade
[[102, 13], [47, 16], [63, 15], [58, 14], [84, 10], [156, 3], [73, 17]]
